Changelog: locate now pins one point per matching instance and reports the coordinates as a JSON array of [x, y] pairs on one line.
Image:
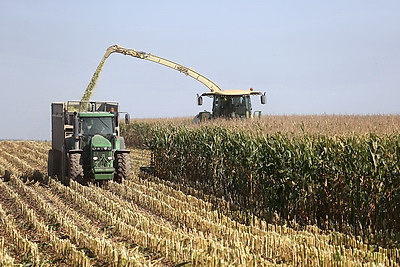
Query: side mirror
[[199, 100], [127, 118], [263, 98]]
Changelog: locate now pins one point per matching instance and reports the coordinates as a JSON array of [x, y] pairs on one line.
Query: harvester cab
[[86, 145], [230, 104]]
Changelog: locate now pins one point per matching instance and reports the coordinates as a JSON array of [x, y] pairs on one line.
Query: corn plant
[[332, 181]]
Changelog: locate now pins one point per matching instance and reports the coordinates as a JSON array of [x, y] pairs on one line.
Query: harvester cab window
[[231, 106], [222, 106], [242, 104], [237, 100], [92, 126]]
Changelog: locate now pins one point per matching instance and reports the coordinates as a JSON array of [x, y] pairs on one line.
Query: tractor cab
[[92, 124]]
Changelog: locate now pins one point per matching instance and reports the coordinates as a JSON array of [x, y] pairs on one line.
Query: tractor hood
[[102, 158], [100, 143]]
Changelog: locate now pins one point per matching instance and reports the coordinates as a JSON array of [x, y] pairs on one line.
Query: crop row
[[150, 222]]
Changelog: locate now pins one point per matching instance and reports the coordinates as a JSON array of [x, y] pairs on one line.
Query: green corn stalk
[[331, 181]]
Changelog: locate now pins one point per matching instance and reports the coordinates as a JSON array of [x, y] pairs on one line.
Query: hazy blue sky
[[311, 57]]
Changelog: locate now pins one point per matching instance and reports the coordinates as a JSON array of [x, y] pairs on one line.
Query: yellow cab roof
[[233, 92]]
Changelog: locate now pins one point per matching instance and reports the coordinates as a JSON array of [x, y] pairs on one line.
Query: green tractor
[[86, 143]]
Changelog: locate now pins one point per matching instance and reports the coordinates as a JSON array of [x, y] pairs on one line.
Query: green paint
[[96, 114], [100, 141]]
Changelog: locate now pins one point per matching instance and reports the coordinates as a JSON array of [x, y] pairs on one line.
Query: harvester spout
[[143, 55], [111, 50], [89, 90]]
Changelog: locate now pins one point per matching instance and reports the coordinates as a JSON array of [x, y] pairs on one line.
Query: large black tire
[[123, 170], [75, 169]]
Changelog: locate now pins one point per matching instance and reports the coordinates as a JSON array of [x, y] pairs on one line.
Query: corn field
[[337, 172], [148, 221]]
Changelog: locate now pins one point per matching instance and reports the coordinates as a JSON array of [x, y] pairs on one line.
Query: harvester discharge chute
[[226, 103]]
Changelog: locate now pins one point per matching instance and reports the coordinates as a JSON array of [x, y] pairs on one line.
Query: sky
[[310, 57]]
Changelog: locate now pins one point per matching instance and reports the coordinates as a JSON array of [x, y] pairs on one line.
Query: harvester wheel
[[75, 169], [123, 168]]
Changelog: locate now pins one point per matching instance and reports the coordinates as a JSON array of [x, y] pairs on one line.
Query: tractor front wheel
[[75, 169], [123, 168]]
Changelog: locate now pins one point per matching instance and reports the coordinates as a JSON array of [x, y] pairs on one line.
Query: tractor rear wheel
[[75, 169], [123, 168]]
